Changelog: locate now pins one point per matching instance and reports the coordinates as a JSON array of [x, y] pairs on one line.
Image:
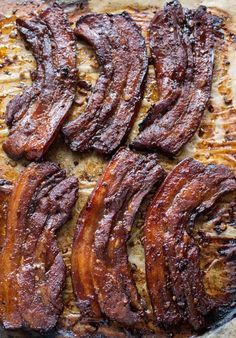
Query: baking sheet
[[215, 140]]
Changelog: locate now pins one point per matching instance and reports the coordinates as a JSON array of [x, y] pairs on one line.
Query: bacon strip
[[170, 58], [112, 107], [182, 47], [173, 274], [36, 116], [102, 278], [32, 269], [5, 191]]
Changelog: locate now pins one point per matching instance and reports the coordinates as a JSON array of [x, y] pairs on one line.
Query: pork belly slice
[[102, 280], [112, 107], [32, 269], [174, 278], [182, 46], [170, 58], [35, 117]]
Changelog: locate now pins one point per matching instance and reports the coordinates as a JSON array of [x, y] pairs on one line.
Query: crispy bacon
[[182, 46], [170, 58], [173, 273], [36, 116], [32, 269], [101, 275], [112, 107]]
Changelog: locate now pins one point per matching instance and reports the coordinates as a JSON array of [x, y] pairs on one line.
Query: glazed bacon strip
[[101, 275], [170, 58], [32, 269], [174, 279], [112, 107], [182, 47], [36, 116]]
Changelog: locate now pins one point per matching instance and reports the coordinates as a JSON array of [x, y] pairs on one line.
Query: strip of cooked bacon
[[170, 58], [184, 71], [102, 278], [32, 269], [112, 107], [36, 116], [173, 274], [5, 190]]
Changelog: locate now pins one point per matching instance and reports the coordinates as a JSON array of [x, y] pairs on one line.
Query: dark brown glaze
[[112, 107], [36, 116], [184, 73], [32, 269], [102, 278], [174, 278]]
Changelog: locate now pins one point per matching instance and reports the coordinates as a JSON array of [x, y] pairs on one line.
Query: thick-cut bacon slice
[[182, 45], [32, 269], [36, 116], [112, 107], [170, 58], [101, 275], [173, 274]]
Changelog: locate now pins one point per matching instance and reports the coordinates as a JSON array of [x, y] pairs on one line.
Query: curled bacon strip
[[32, 269], [101, 274], [36, 116], [182, 47], [173, 274], [112, 107]]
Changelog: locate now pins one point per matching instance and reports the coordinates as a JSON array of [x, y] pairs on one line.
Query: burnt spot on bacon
[[102, 279], [32, 269], [174, 278], [112, 107], [182, 46], [36, 116]]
